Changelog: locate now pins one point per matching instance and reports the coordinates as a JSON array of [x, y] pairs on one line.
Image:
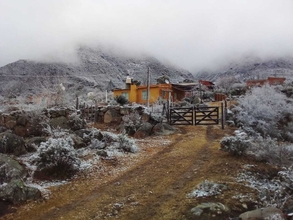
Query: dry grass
[[150, 185]]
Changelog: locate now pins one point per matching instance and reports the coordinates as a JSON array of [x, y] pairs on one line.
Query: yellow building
[[138, 94]]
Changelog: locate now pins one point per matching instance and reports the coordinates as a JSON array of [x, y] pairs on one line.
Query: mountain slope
[[251, 68], [92, 72]]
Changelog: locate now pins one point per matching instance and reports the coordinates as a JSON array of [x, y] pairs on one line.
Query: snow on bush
[[207, 188], [113, 142], [258, 148], [127, 144], [261, 110], [273, 192], [131, 122], [235, 145], [57, 157]]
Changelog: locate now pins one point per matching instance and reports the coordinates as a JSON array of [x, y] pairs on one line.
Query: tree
[[261, 111], [120, 99]]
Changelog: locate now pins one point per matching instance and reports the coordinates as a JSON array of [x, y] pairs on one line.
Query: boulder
[[12, 144], [59, 122], [210, 210], [10, 169], [269, 213], [163, 129], [144, 130], [20, 131], [17, 192], [22, 120], [112, 115], [12, 188]]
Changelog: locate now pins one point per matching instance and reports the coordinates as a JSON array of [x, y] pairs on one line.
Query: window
[[144, 95], [125, 94], [163, 94]]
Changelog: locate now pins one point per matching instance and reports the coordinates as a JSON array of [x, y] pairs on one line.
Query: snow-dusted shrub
[[272, 192], [207, 188], [111, 142], [261, 110], [288, 132], [56, 158], [269, 150], [131, 122], [235, 145], [127, 144]]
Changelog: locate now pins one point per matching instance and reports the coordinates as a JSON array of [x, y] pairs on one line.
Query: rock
[[163, 129], [22, 120], [12, 188], [125, 111], [144, 130], [60, 122], [20, 131], [210, 209], [112, 115], [102, 153], [145, 117], [10, 169], [12, 144], [17, 192], [269, 213], [2, 129]]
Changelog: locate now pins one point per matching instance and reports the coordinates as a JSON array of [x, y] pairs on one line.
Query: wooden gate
[[181, 116], [206, 115], [194, 116]]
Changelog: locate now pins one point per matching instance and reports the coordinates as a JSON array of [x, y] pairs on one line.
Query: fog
[[192, 34]]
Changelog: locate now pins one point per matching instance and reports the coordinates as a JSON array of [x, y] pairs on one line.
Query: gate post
[[222, 115]]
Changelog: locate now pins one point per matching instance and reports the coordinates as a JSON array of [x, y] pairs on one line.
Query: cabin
[[270, 81], [138, 94], [162, 91]]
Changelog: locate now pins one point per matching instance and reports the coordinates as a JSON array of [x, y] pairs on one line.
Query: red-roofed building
[[270, 81]]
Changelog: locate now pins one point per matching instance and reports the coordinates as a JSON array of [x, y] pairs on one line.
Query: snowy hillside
[[251, 68], [92, 72]]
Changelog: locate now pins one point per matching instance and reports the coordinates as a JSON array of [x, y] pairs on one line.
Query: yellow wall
[[135, 93]]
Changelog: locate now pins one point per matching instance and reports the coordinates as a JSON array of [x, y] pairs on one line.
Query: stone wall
[[31, 123], [113, 114]]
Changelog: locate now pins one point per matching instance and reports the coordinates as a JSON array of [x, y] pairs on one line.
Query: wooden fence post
[[223, 115]]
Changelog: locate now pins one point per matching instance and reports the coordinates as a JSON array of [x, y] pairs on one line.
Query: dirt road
[[153, 188]]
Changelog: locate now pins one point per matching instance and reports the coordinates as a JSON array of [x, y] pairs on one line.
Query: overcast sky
[[193, 34]]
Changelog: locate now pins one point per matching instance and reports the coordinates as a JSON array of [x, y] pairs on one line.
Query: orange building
[[138, 94]]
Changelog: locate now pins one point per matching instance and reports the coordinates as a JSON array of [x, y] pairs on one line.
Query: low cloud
[[194, 35]]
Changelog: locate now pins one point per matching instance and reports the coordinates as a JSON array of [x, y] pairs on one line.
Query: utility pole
[[148, 88]]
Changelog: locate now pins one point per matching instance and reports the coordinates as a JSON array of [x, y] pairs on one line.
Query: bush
[[235, 145], [261, 111], [127, 144], [131, 122], [56, 158], [121, 100]]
